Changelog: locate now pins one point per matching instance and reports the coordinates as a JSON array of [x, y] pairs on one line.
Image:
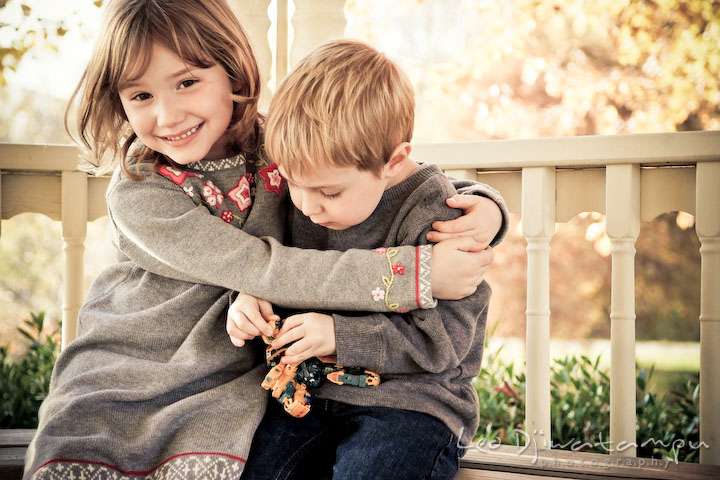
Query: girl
[[152, 386]]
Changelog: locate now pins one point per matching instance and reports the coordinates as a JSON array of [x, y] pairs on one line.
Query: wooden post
[[316, 22], [622, 198], [707, 227], [538, 221], [74, 220], [255, 20]]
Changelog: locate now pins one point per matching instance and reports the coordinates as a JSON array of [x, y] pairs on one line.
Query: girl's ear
[[397, 159]]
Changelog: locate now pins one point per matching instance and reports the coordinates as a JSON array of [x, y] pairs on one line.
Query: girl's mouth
[[184, 135]]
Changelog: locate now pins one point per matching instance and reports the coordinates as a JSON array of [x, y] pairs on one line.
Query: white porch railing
[[630, 178]]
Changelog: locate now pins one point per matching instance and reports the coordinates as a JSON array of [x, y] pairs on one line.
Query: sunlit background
[[482, 70]]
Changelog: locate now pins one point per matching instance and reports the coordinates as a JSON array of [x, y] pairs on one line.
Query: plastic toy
[[289, 383]]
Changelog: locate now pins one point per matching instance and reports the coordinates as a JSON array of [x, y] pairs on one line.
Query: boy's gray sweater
[[426, 358]]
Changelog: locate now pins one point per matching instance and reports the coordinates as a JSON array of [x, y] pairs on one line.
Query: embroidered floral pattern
[[228, 216], [378, 294], [213, 196], [397, 269], [189, 191], [273, 180], [241, 194], [176, 175]]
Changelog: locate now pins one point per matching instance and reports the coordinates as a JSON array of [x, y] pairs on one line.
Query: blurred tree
[[535, 68]]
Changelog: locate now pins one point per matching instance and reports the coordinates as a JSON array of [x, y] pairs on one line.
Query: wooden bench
[[491, 462]]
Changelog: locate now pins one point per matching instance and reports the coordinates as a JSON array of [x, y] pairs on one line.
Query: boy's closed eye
[[330, 196]]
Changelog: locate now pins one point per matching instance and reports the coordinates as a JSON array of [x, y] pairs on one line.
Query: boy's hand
[[249, 317], [313, 334], [481, 221], [457, 269]]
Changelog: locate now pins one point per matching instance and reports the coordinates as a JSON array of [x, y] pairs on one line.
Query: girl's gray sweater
[[152, 386]]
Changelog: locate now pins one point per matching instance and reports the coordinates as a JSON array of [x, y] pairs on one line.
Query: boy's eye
[[187, 83], [330, 196]]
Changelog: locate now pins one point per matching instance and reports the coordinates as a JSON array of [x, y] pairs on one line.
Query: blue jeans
[[348, 442]]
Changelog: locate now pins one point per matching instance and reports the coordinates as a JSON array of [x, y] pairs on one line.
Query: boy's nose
[[309, 206]]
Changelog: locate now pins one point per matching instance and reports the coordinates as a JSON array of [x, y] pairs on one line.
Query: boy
[[339, 129]]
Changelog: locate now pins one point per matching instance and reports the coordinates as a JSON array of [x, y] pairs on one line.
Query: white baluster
[[282, 43], [538, 221], [1, 215], [253, 16], [316, 22], [74, 230], [708, 230], [622, 198]]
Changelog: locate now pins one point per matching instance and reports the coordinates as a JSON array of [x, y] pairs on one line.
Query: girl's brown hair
[[202, 33]]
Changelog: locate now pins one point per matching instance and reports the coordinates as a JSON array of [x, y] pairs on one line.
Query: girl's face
[[180, 110]]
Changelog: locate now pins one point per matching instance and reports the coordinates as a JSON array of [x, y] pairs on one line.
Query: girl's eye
[[142, 96], [187, 83], [330, 196]]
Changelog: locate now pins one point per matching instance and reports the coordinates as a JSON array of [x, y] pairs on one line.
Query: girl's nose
[[168, 113]]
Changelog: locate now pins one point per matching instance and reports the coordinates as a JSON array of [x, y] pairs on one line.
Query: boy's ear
[[397, 159]]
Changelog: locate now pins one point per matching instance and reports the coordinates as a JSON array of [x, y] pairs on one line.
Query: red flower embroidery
[[212, 194], [176, 175], [402, 310], [398, 268], [273, 180], [241, 194], [228, 216], [381, 250]]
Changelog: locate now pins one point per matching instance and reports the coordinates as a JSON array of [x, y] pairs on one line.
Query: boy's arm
[[419, 341], [415, 342], [161, 229]]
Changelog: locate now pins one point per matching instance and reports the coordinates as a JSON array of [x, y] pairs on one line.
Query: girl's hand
[[457, 269], [313, 334], [249, 317], [481, 221]]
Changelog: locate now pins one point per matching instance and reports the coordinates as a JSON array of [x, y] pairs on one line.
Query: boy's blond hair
[[202, 33], [345, 104]]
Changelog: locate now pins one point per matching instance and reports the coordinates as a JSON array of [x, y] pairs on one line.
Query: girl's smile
[[183, 114], [184, 135]]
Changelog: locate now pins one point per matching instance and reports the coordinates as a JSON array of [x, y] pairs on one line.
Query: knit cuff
[[423, 284]]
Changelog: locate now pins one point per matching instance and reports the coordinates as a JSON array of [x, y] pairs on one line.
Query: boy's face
[[178, 109], [336, 197]]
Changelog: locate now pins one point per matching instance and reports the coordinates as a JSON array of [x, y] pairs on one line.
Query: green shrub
[[667, 426], [25, 381]]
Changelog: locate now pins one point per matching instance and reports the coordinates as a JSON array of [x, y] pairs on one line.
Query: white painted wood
[[538, 222], [579, 191], [507, 183], [707, 227], [282, 43], [253, 16], [623, 226], [463, 174], [314, 23], [665, 190], [74, 230], [677, 148]]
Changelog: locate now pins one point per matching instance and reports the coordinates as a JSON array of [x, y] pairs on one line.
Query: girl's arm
[[160, 228], [485, 219]]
